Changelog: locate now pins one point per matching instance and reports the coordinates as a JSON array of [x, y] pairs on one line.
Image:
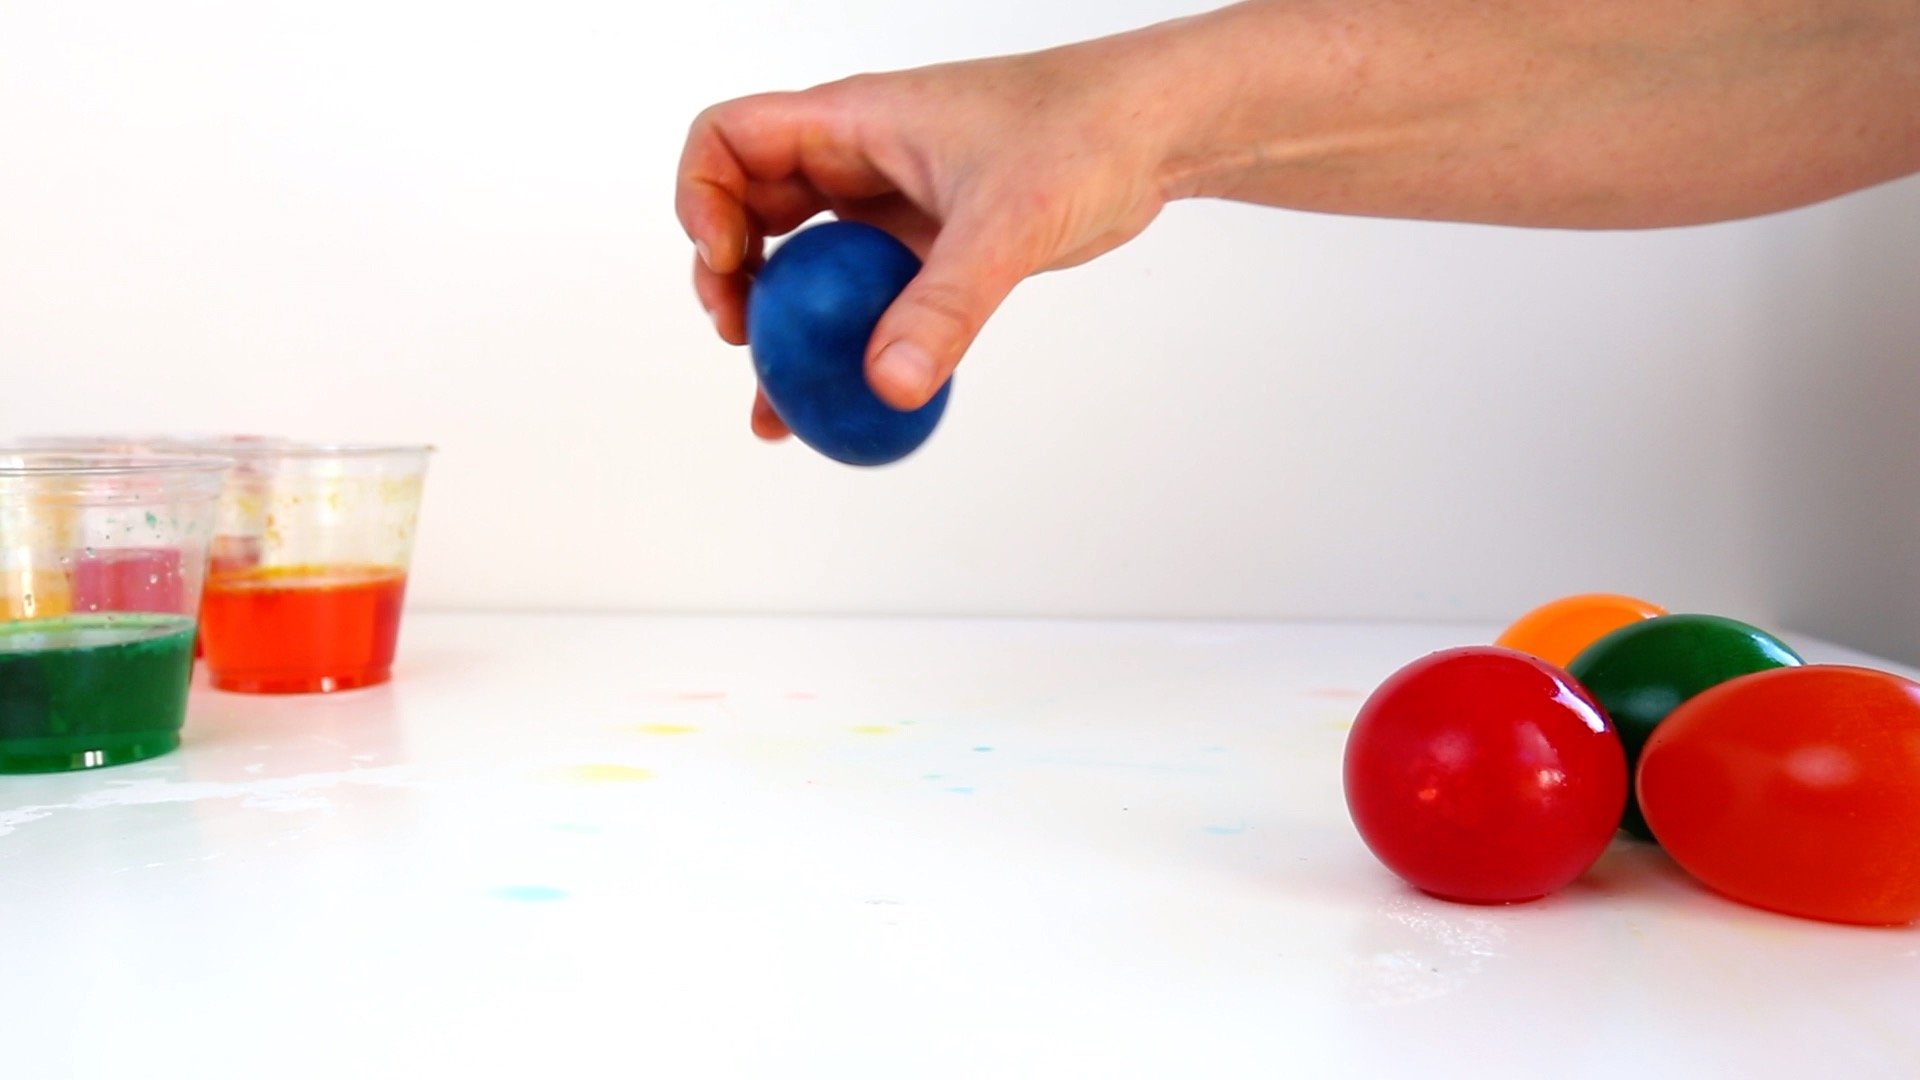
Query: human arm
[[1627, 114]]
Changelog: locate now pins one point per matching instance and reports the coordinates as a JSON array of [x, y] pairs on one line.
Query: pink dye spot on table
[[1336, 693]]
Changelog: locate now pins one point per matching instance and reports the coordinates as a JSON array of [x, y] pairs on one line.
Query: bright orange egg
[[1562, 629]]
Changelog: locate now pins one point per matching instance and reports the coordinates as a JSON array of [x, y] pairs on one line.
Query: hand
[[990, 170]]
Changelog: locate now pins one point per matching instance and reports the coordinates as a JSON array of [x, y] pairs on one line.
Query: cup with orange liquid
[[309, 565]]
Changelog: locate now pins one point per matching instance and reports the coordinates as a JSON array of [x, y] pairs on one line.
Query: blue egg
[[810, 314]]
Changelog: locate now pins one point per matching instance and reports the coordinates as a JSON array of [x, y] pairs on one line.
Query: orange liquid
[[301, 629], [34, 593]]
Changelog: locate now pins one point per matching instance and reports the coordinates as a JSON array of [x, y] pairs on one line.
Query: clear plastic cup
[[221, 446], [102, 558], [309, 565]]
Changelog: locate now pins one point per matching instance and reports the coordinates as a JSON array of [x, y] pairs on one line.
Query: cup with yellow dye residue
[[102, 559], [310, 565], [231, 547]]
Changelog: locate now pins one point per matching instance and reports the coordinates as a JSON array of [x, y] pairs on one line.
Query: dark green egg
[[1643, 671]]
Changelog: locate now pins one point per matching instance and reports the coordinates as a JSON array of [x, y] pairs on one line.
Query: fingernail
[[905, 368], [701, 247]]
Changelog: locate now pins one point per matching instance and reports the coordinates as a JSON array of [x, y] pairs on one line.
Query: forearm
[[1570, 113]]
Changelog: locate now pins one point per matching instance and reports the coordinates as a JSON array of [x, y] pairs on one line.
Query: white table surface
[[619, 846]]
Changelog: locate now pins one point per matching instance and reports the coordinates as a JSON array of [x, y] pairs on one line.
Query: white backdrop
[[453, 222]]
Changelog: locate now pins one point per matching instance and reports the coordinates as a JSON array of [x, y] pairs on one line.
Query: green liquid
[[83, 691]]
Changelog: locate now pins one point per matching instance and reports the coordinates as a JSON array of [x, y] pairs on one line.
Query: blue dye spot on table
[[534, 894]]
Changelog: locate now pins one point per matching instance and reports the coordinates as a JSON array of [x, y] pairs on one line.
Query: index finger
[[710, 193]]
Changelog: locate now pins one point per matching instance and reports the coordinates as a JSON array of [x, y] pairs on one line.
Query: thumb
[[919, 341]]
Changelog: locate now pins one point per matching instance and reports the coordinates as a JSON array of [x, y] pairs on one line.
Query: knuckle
[[951, 306]]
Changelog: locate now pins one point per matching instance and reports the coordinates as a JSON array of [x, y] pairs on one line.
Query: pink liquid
[[131, 579]]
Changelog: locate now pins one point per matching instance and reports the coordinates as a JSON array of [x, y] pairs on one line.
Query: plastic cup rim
[[252, 451], [47, 463]]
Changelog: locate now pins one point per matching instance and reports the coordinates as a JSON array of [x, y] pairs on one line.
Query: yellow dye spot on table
[[595, 774], [661, 729], [874, 729]]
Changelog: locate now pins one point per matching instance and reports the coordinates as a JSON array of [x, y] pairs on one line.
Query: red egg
[[1484, 775], [1795, 789]]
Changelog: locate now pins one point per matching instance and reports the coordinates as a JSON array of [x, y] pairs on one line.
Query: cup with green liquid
[[102, 559]]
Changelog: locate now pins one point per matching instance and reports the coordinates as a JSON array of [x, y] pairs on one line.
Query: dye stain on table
[[83, 691], [302, 629]]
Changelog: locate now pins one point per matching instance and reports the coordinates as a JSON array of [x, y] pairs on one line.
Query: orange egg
[[1560, 630], [1795, 789]]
